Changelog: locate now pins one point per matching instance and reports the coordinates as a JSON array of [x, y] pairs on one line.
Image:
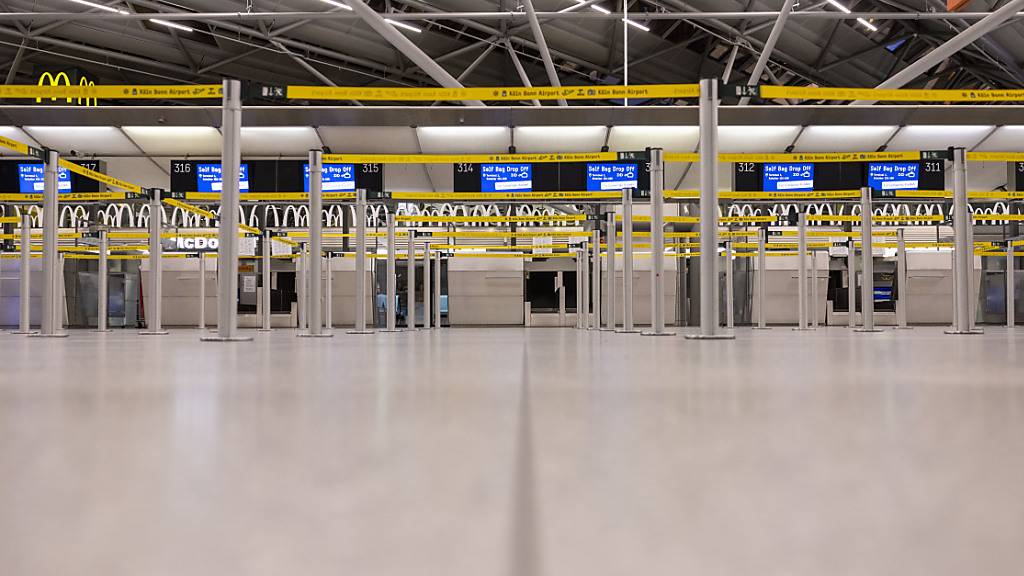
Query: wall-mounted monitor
[[894, 175], [787, 177], [516, 177], [603, 176], [334, 177], [209, 178], [32, 179]]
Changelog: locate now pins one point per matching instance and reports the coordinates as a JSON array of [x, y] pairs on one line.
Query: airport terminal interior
[[531, 288]]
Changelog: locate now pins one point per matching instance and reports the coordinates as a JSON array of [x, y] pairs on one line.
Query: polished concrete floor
[[513, 452]]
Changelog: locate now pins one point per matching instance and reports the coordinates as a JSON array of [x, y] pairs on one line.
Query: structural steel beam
[[769, 47], [542, 46]]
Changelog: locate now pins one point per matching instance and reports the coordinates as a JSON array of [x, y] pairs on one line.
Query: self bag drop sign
[[893, 176], [601, 177], [506, 177], [788, 177]]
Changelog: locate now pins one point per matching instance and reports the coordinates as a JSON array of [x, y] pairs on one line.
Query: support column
[[227, 232], [560, 285], [360, 327], [426, 286], [963, 250], [584, 282], [391, 282], [155, 297], [627, 262], [25, 277], [329, 291], [580, 283], [851, 291], [202, 291], [730, 310], [709, 213], [102, 293], [867, 267], [801, 273], [410, 266], [762, 278], [301, 288], [315, 298], [901, 281], [266, 247], [595, 280], [50, 325], [437, 289], [657, 244], [610, 278], [812, 308], [1011, 293]]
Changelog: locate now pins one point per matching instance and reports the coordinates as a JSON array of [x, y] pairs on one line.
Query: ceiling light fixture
[[337, 4], [99, 6], [636, 25], [846, 10], [402, 25], [170, 24]]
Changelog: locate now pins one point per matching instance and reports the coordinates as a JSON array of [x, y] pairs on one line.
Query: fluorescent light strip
[[868, 25], [170, 24], [841, 8], [402, 25], [846, 10], [99, 6], [636, 25], [337, 4]]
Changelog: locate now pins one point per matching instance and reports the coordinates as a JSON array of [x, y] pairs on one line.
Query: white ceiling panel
[[843, 138], [369, 139], [176, 141], [464, 139], [540, 139], [938, 137], [88, 140], [407, 178], [737, 139], [1004, 139], [670, 138], [279, 141], [15, 133], [141, 171]]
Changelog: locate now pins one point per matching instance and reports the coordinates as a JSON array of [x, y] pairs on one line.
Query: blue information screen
[[506, 177], [602, 177], [209, 178], [893, 175], [883, 293], [32, 179], [788, 177], [334, 178]]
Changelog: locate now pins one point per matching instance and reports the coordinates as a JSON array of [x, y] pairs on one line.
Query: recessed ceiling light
[[170, 24]]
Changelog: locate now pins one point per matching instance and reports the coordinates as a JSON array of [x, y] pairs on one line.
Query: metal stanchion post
[[202, 291], [360, 327], [437, 289], [102, 296], [972, 296], [155, 298], [708, 213], [391, 282], [62, 296], [227, 232], [560, 286], [801, 273], [627, 262], [812, 308], [610, 278], [410, 267], [584, 282], [657, 244], [50, 325], [25, 271], [580, 256], [867, 267], [963, 250], [315, 298], [300, 287], [595, 279], [901, 281], [730, 310], [266, 247], [328, 291], [427, 295], [1011, 317], [762, 278], [851, 290]]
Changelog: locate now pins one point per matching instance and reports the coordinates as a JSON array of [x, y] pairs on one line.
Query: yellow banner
[[466, 158], [823, 157], [189, 208], [494, 219], [809, 195], [19, 147], [901, 95], [496, 94], [1000, 217], [9, 220], [68, 197], [489, 196], [99, 176], [681, 157], [113, 92]]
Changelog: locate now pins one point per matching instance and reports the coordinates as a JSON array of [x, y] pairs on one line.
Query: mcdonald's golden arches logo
[[62, 79]]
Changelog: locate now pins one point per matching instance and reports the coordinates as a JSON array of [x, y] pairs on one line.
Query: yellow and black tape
[[467, 158], [493, 219], [899, 95], [120, 92], [99, 176], [495, 94]]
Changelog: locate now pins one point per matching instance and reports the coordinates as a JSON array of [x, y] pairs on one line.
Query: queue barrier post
[[584, 283], [812, 306], [360, 325], [155, 298], [609, 300], [1011, 292], [52, 273], [202, 291], [730, 310], [762, 278], [102, 279], [410, 286], [851, 283], [903, 299], [315, 297], [266, 251], [801, 274], [867, 266], [328, 291], [595, 278], [580, 256], [427, 295], [437, 289], [25, 277], [391, 282], [627, 262]]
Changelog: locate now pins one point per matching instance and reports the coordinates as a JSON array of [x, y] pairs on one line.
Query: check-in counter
[[10, 291], [643, 289], [930, 286], [343, 291], [485, 292], [180, 305], [782, 285]]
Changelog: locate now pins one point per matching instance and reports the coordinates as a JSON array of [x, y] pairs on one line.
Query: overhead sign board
[[790, 177], [506, 177]]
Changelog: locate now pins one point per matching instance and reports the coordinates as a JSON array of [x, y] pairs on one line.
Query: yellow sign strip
[[495, 94], [1000, 217], [9, 220], [494, 219], [189, 208], [486, 196], [19, 147], [99, 176], [900, 95], [468, 158], [120, 92], [823, 157]]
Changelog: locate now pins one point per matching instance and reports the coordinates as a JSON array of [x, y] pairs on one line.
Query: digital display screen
[[893, 175], [506, 177], [32, 179], [788, 177], [601, 177], [209, 178], [883, 293], [334, 177]]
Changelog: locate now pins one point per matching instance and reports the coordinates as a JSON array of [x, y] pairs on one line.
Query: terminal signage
[[209, 178], [334, 177], [894, 175], [32, 179], [602, 177], [506, 177], [787, 177], [197, 244]]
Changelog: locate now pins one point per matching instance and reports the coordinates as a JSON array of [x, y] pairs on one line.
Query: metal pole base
[[965, 332], [320, 335], [40, 335], [154, 333], [393, 331], [868, 330], [760, 328], [648, 333], [624, 331], [606, 330], [710, 337], [903, 327], [29, 333], [264, 329], [361, 332], [804, 329], [98, 330], [226, 339]]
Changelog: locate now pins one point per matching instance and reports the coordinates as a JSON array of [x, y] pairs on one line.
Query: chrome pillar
[[1011, 293], [315, 297], [426, 286], [391, 282], [267, 248], [762, 278], [25, 277], [328, 291], [301, 287], [410, 266], [102, 278], [581, 255], [658, 244], [360, 326], [437, 289], [595, 280], [560, 285], [202, 291], [610, 279], [50, 325], [851, 290], [801, 273], [901, 280], [963, 250], [812, 308], [730, 311], [584, 282], [155, 297], [627, 262], [867, 267]]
